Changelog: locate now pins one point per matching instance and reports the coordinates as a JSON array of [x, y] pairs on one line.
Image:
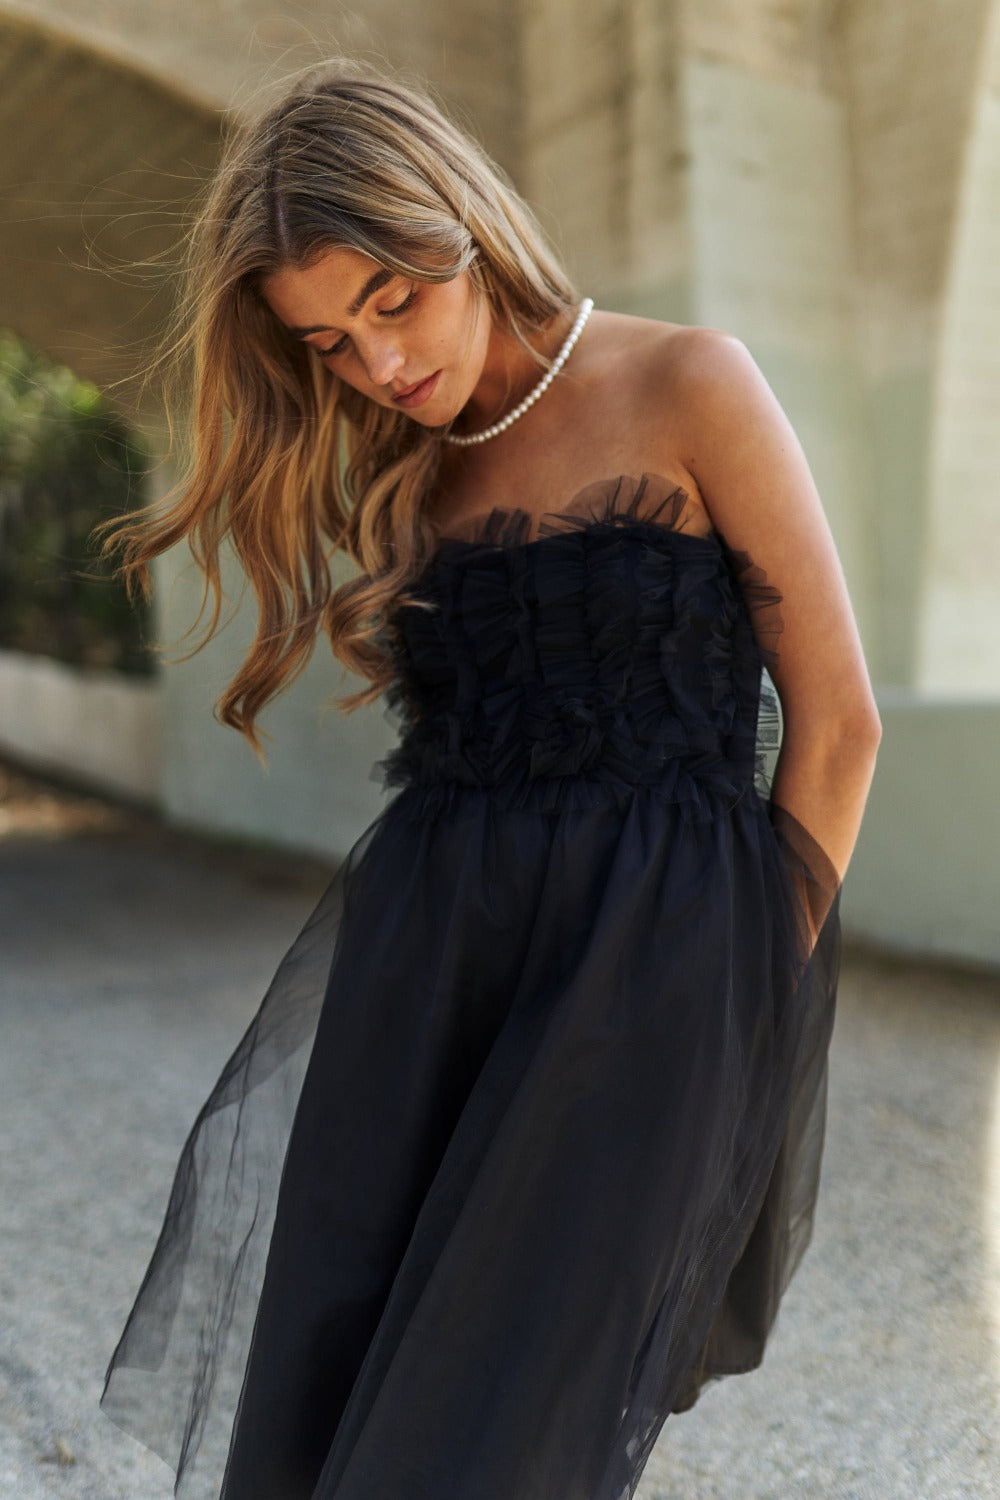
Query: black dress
[[542, 1080]]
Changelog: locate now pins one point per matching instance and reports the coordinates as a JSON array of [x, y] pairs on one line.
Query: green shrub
[[67, 461]]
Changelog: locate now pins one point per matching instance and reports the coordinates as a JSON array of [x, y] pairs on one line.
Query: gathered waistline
[[697, 799]]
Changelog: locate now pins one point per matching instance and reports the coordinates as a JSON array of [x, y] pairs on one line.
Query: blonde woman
[[522, 1144]]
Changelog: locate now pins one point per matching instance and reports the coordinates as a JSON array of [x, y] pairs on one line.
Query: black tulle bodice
[[615, 647]]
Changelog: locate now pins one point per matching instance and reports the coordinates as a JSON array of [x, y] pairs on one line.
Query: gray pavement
[[131, 961]]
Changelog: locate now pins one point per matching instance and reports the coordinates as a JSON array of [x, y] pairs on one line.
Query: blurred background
[[820, 178]]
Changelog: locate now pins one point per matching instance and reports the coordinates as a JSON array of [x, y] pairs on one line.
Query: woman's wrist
[[822, 783]]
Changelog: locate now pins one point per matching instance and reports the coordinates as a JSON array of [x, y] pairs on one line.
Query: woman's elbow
[[860, 722], [874, 728], [854, 724]]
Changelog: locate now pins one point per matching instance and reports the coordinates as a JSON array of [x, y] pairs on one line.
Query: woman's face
[[413, 346]]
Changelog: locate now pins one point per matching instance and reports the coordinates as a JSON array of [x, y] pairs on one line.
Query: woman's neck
[[509, 372]]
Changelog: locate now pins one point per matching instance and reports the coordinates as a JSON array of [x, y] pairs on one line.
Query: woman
[[522, 1146]]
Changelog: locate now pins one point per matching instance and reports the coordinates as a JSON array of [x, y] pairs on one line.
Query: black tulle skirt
[[520, 1150]]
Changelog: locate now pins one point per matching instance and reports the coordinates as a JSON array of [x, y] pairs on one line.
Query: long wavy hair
[[282, 460]]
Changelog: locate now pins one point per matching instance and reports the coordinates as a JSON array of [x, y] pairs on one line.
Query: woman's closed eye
[[386, 312]]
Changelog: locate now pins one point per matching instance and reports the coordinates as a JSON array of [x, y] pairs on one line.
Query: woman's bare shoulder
[[659, 375], [649, 351]]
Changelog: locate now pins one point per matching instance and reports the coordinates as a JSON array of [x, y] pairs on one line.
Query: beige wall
[[96, 160], [109, 121], [821, 179], [103, 728], [773, 261], [925, 877], [316, 790], [217, 52], [956, 646]]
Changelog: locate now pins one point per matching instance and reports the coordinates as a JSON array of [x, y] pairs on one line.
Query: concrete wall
[[315, 792], [956, 646], [109, 124], [96, 161], [924, 877], [100, 728], [773, 262], [913, 77], [218, 53], [822, 180]]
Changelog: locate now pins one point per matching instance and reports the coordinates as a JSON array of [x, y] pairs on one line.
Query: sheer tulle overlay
[[522, 1145]]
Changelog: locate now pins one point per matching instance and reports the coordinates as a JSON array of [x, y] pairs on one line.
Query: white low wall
[[102, 728], [925, 877], [316, 792]]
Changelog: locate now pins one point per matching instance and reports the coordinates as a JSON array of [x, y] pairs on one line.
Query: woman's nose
[[382, 359]]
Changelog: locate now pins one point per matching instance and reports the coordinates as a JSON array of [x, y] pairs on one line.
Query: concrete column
[[956, 648], [694, 161], [774, 263], [910, 74]]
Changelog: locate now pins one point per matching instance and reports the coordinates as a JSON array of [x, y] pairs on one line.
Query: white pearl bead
[[469, 439]]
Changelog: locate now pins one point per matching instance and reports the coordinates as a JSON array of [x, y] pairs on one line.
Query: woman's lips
[[417, 394]]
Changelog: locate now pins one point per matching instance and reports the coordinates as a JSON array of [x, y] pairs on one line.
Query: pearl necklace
[[469, 439]]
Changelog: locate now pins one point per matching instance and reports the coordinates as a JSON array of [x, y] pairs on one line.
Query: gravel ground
[[882, 1377]]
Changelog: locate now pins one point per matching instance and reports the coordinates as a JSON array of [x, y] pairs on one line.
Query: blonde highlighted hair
[[284, 461]]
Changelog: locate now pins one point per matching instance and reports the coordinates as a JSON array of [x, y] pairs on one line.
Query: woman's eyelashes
[[386, 312], [408, 301]]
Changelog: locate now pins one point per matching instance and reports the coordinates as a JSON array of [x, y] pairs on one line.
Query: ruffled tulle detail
[[614, 647], [522, 1146]]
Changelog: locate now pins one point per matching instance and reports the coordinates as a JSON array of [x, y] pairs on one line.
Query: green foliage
[[66, 463]]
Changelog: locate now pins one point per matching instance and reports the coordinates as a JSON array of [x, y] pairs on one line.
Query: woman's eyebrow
[[374, 284]]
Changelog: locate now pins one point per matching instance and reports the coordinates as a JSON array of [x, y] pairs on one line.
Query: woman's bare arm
[[756, 483]]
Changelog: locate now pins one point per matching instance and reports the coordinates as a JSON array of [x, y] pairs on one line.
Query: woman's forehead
[[326, 292]]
